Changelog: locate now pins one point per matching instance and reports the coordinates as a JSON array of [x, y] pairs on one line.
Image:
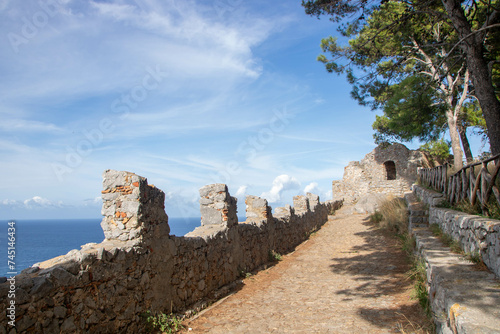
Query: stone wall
[[463, 297], [370, 175], [474, 233], [107, 287]]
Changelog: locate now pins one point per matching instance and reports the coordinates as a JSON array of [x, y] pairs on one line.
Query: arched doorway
[[390, 170]]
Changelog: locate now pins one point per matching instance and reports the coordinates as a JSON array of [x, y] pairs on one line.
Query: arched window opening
[[390, 169]]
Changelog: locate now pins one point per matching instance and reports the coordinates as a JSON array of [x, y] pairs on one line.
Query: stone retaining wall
[[474, 233], [107, 287], [463, 297]]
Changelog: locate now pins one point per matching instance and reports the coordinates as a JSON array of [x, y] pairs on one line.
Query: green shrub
[[274, 256], [376, 217], [161, 322]]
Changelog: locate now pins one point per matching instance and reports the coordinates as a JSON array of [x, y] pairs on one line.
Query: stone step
[[418, 212], [419, 220]]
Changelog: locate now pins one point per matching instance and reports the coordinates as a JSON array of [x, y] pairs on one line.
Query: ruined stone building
[[388, 169]]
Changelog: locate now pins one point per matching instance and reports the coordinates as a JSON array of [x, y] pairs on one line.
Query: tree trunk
[[484, 90], [455, 141], [462, 130]]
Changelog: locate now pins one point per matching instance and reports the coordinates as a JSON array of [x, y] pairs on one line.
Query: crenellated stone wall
[[132, 208], [139, 267], [217, 206]]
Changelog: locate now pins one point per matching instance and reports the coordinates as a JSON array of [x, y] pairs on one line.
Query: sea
[[37, 240]]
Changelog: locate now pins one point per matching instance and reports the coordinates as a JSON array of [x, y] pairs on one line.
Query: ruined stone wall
[[107, 287], [369, 176]]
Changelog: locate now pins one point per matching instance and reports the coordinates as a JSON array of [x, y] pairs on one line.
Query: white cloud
[[92, 201], [37, 202], [182, 203], [328, 195], [242, 190], [24, 125], [10, 202], [281, 183], [117, 40], [312, 188]]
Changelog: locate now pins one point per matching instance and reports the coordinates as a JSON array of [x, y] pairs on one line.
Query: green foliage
[[491, 210], [474, 257], [244, 273], [164, 323], [418, 273], [402, 58], [376, 217], [394, 40], [400, 122], [274, 256], [438, 149], [408, 244], [472, 117]]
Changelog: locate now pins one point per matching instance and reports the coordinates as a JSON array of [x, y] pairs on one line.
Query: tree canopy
[[409, 56]]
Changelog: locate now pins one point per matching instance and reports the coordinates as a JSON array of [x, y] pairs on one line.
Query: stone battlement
[[106, 287]]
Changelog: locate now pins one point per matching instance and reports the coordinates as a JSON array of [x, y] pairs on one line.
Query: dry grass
[[392, 215], [409, 327]]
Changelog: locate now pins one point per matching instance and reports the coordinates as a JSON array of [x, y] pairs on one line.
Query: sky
[[183, 92]]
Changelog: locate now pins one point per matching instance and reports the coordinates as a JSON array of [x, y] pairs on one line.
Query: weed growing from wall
[[162, 323], [274, 256]]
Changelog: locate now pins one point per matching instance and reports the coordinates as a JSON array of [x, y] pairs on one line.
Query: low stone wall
[[464, 299], [429, 197], [474, 233], [106, 287]]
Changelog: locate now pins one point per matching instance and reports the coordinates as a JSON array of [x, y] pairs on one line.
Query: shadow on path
[[380, 268]]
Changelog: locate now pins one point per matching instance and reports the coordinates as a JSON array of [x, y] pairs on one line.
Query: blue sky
[[183, 92]]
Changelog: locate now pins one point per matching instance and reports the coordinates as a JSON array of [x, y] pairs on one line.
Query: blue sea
[[43, 239]]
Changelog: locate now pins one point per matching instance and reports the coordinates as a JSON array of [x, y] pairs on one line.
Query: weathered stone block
[[217, 206], [301, 204]]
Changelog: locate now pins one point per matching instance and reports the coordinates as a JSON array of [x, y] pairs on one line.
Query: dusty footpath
[[349, 277]]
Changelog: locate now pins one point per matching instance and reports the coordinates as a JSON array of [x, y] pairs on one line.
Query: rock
[[60, 312], [369, 203], [41, 286], [68, 325]]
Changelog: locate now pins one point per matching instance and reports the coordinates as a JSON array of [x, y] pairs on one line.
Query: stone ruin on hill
[[388, 170]]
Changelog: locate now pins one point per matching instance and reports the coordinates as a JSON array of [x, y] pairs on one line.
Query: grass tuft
[[392, 215], [274, 256], [162, 323]]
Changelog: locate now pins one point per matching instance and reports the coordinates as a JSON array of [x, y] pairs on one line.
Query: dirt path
[[347, 278]]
